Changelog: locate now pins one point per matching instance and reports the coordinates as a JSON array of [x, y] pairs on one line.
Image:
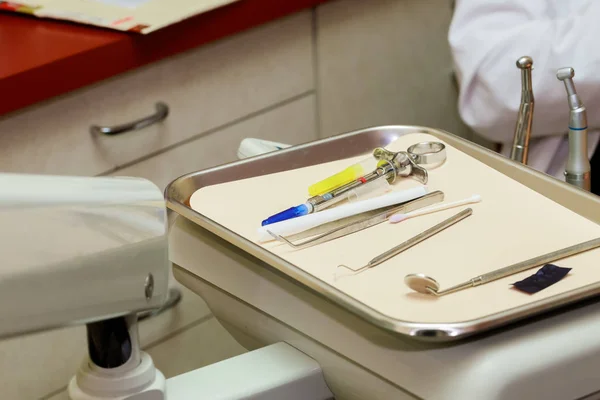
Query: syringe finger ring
[[427, 152]]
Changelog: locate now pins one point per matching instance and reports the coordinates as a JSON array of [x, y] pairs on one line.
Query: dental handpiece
[[578, 170], [520, 146]]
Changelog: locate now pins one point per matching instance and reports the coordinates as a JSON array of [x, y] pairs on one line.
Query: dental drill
[[520, 146], [578, 170]]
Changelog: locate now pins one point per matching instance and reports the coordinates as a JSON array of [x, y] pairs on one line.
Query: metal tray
[[359, 142]]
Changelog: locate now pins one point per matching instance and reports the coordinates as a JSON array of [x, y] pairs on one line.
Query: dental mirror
[[422, 283]]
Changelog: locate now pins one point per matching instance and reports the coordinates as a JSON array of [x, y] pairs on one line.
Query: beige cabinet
[[258, 83], [385, 62], [54, 356], [206, 89], [291, 123]]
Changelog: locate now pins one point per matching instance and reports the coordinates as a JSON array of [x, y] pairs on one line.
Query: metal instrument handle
[[162, 111], [583, 181], [520, 147], [536, 261], [578, 169], [349, 225], [420, 237]]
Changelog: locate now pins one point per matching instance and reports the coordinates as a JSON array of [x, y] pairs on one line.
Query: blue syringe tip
[[290, 213]]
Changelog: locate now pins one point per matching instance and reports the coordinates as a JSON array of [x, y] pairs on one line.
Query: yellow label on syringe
[[348, 175]]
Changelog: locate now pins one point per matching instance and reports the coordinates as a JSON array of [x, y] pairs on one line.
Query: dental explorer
[[412, 241], [578, 170], [520, 146], [424, 284]]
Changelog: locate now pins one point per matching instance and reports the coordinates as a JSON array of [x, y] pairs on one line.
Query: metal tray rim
[[430, 331]]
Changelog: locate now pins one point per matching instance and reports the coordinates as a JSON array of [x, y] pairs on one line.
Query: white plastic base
[[144, 382], [251, 147], [274, 372]]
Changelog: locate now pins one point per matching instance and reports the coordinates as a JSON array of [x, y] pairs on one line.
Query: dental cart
[[547, 349], [97, 251]]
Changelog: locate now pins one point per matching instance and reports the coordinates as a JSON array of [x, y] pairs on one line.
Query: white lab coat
[[488, 36]]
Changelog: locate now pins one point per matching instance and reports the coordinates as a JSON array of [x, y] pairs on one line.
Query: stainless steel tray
[[359, 142]]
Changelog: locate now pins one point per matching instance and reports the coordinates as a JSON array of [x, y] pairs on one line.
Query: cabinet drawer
[[204, 88], [292, 123]]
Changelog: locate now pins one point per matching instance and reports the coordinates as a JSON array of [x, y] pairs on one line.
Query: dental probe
[[520, 148], [578, 170], [410, 242]]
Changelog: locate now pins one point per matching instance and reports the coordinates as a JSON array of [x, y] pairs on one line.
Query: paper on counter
[[140, 16]]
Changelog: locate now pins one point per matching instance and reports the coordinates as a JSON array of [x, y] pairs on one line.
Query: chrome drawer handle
[[162, 111]]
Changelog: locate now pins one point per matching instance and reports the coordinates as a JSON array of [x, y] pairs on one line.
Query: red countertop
[[41, 58]]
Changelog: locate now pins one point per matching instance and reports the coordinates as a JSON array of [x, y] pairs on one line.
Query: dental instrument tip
[[565, 73], [281, 239], [343, 271], [525, 62], [394, 219], [421, 283], [274, 235]]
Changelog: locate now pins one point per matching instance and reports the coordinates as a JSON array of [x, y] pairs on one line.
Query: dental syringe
[[578, 170], [362, 191], [389, 166], [357, 188]]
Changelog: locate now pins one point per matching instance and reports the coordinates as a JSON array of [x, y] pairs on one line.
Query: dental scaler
[[578, 170], [520, 147]]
